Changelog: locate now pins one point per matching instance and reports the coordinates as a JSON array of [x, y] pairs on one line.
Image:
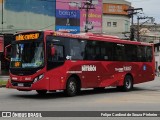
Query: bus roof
[[91, 36], [99, 37]]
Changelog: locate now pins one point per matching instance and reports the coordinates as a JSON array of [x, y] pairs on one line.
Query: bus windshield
[[28, 54]]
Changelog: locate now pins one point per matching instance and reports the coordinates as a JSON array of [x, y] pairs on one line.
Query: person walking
[[158, 70]]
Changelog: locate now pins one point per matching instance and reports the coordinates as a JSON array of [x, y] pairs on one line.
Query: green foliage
[[3, 82]]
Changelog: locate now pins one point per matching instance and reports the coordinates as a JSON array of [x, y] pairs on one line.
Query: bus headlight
[[38, 78], [14, 78]]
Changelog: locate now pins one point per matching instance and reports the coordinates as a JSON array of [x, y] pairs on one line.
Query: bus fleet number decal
[[124, 69]]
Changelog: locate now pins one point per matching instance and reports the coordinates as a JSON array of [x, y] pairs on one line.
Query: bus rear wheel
[[72, 87], [41, 92], [128, 84]]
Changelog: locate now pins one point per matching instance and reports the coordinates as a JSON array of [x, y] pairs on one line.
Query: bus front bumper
[[27, 86]]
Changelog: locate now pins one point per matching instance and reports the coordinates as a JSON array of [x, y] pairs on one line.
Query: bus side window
[[57, 59], [89, 53], [119, 52], [49, 54], [131, 53], [149, 54], [58, 55], [77, 47], [139, 54]]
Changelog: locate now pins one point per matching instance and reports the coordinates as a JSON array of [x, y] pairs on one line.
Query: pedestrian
[[158, 71]]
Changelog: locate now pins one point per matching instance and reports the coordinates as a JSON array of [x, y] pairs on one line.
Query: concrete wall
[[122, 21], [15, 21], [121, 18], [19, 15]]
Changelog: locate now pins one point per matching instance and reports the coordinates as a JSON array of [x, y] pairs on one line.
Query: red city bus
[[48, 61]]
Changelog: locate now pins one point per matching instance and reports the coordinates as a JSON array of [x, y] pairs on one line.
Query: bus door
[[55, 59]]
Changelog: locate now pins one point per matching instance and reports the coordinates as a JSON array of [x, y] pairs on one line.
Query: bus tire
[[41, 92], [128, 83], [72, 87]]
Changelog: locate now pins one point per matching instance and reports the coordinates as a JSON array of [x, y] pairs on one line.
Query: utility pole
[[132, 12], [138, 28], [87, 6], [2, 16]]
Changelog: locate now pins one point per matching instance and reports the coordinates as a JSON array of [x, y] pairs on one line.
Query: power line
[[132, 12], [2, 16]]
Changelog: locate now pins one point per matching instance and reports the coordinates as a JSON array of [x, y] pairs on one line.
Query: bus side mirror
[[53, 50], [7, 52]]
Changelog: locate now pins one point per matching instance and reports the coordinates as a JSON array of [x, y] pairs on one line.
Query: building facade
[[115, 17], [19, 15]]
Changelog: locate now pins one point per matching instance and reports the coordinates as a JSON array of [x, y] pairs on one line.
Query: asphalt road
[[144, 97]]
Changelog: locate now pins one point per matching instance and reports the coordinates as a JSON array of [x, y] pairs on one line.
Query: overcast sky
[[151, 8]]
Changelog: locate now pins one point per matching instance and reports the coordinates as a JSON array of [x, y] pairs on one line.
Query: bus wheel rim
[[128, 83], [72, 86]]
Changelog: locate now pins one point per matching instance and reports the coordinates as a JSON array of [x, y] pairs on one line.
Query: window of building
[[108, 24], [114, 24]]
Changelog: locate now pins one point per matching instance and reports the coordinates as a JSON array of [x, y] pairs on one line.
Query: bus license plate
[[20, 84]]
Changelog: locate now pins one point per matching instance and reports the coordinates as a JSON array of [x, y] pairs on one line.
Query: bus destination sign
[[31, 36]]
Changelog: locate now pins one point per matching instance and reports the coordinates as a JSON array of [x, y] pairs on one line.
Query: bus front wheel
[[72, 87]]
